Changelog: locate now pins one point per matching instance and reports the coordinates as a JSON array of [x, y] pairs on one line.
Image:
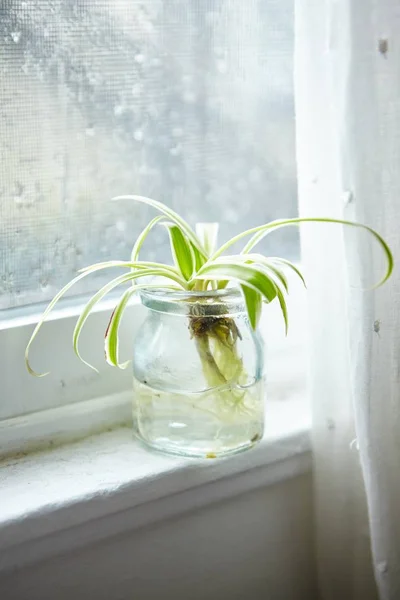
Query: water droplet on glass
[[90, 131], [138, 135], [16, 36], [139, 58]]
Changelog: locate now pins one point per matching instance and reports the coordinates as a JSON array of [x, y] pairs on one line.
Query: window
[[186, 101]]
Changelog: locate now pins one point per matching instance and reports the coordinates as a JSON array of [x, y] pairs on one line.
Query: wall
[[257, 545]]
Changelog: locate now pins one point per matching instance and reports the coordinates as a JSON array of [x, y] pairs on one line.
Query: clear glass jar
[[198, 374]]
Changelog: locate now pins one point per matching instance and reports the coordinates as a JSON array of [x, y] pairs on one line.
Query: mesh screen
[[187, 101]]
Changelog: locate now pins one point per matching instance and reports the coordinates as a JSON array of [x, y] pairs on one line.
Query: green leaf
[[43, 318], [181, 251], [253, 302], [258, 259], [171, 214], [290, 265], [99, 295], [266, 263], [278, 274], [262, 230], [159, 270], [163, 270], [251, 277], [111, 337], [140, 240], [222, 284], [242, 274], [111, 341], [208, 235], [199, 259], [88, 308], [259, 277], [266, 266], [282, 303], [140, 264]]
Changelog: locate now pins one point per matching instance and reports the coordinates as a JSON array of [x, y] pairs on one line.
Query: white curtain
[[348, 148]]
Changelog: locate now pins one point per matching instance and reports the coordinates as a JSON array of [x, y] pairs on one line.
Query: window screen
[[187, 101]]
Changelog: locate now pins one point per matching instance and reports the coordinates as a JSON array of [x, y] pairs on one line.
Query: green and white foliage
[[197, 265]]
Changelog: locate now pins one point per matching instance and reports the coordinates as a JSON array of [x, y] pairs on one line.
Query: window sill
[[71, 496]]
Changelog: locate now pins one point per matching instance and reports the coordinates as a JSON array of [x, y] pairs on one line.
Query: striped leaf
[[95, 299], [171, 214], [263, 230], [181, 250], [111, 341]]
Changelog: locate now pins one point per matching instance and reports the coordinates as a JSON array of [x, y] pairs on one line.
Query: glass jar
[[198, 374]]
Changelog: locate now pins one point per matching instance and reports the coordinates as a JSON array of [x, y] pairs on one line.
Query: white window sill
[[77, 494]]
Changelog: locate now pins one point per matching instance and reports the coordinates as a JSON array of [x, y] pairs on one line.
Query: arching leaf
[[142, 237], [242, 274], [95, 299], [253, 300], [171, 214], [111, 341], [263, 230]]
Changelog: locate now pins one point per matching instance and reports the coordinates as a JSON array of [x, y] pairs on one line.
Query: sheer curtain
[[348, 146]]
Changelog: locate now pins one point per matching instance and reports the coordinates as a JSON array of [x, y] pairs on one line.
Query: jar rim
[[178, 294], [188, 302]]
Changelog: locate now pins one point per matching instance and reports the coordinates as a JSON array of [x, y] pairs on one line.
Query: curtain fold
[[347, 78]]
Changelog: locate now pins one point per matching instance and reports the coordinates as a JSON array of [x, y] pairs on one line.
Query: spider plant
[[199, 265]]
